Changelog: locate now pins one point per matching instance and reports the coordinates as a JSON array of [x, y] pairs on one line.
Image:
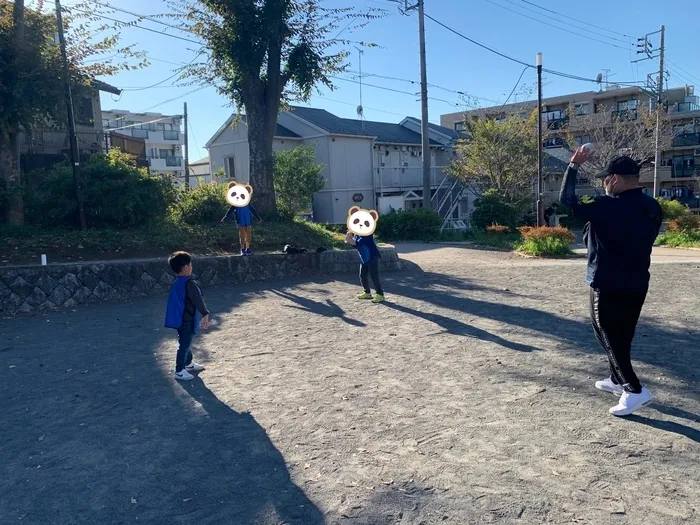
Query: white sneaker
[[194, 367], [606, 385], [183, 375], [630, 402]]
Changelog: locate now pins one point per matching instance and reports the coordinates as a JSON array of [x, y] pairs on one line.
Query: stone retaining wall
[[28, 288]]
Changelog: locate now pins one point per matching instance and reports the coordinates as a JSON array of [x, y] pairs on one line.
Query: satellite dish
[[360, 111], [599, 78]]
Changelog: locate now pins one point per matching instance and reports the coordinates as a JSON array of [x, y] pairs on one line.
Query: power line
[[515, 87], [165, 79], [417, 82], [129, 24], [560, 21], [522, 63], [396, 90], [150, 18], [566, 30], [574, 19], [683, 70]]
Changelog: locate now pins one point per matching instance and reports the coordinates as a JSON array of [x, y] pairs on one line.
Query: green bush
[[685, 224], [204, 204], [491, 208], [116, 193], [680, 239], [297, 178], [413, 225], [672, 209], [545, 241]]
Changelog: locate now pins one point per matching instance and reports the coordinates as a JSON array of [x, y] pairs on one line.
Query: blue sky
[[453, 63]]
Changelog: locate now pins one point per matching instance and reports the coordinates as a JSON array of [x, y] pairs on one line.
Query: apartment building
[[680, 168], [162, 136]]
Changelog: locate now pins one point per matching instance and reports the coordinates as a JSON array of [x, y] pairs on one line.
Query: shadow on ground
[[97, 431]]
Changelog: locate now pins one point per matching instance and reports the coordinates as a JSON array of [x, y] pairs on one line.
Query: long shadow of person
[[259, 488], [669, 426], [326, 309], [456, 327]]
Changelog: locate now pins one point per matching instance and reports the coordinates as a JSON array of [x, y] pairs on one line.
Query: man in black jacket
[[622, 228]]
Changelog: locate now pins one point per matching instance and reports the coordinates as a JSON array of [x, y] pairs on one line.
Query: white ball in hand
[[588, 148]]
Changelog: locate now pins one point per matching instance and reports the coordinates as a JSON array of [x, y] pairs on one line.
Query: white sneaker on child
[[194, 367], [183, 375]]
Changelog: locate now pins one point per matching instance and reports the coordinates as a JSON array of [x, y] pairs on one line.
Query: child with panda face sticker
[[361, 225], [238, 196]]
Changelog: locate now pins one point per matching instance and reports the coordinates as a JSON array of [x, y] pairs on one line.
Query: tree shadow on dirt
[[650, 345], [99, 432], [326, 309], [455, 327]]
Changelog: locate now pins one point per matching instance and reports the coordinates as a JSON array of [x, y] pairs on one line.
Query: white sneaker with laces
[[194, 367], [607, 385], [630, 402], [183, 375]]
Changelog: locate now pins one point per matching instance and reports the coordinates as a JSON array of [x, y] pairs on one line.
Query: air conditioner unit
[[176, 121], [177, 148], [697, 121], [697, 152]]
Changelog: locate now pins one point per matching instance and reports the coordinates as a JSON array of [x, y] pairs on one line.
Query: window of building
[[624, 105], [582, 109], [459, 127], [162, 153], [580, 140], [83, 112], [230, 167]]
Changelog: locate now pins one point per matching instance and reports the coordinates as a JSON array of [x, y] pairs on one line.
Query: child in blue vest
[[238, 196], [361, 224], [185, 312]]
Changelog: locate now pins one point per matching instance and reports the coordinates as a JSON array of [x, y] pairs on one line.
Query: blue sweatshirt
[[620, 235], [366, 247], [243, 215]]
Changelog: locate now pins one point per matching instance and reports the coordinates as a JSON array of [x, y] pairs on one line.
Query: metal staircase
[[446, 199]]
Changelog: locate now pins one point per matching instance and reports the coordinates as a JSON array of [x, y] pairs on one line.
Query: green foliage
[[491, 208], [680, 239], [413, 225], [205, 204], [685, 224], [672, 209], [297, 178], [22, 245], [545, 241], [116, 194], [499, 155]]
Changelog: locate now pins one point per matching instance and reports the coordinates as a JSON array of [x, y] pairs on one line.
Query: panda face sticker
[[362, 222], [239, 194]]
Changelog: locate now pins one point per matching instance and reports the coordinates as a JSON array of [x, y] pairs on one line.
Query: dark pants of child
[[184, 353], [371, 268], [614, 315]]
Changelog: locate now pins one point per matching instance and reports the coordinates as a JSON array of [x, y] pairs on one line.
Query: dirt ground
[[467, 398]]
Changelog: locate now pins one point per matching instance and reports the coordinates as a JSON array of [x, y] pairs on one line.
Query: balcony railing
[[139, 133], [557, 123], [679, 173], [686, 140], [624, 115], [173, 161], [171, 135], [687, 107]]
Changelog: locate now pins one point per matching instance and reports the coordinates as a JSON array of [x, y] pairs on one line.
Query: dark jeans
[[614, 315], [184, 353], [371, 268]]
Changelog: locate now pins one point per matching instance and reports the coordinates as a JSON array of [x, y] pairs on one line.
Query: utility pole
[[540, 209], [659, 115], [74, 153], [645, 48], [425, 125], [187, 154]]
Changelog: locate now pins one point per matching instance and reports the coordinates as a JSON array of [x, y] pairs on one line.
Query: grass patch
[[503, 241], [679, 239], [24, 245]]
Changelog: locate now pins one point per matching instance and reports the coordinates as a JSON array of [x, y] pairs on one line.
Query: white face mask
[[608, 188]]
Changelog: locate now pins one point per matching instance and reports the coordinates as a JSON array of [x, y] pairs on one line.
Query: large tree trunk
[[10, 176], [261, 132]]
